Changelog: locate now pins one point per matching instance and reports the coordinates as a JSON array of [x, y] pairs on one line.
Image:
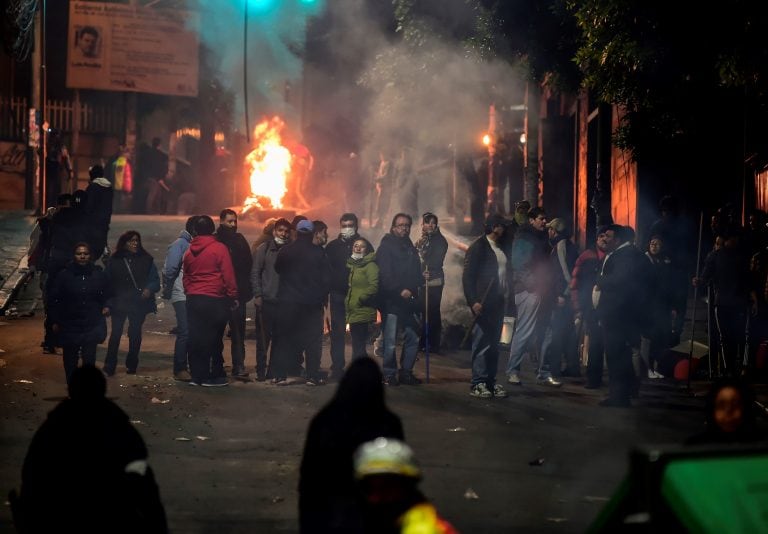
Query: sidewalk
[[15, 227]]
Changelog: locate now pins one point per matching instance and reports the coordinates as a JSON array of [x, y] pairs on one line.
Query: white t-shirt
[[501, 259]]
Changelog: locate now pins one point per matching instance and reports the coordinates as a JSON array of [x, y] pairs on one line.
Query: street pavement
[[226, 459]]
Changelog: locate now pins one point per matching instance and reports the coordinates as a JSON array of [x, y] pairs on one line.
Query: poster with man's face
[[88, 42]]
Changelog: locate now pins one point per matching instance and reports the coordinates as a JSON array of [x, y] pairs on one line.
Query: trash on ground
[[457, 429], [182, 438], [471, 495], [592, 498], [155, 400], [203, 438], [277, 499], [537, 461], [138, 422], [23, 381], [557, 519]]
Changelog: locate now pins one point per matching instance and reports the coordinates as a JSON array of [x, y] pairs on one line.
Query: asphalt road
[[237, 469]]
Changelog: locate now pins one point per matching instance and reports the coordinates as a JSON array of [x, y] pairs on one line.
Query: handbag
[[148, 303]]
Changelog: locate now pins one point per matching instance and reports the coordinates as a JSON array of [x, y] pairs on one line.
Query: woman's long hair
[[120, 248]]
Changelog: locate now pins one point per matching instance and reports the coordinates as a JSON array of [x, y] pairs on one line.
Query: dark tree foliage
[[676, 67]]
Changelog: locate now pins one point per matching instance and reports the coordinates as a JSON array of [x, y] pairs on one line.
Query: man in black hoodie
[[399, 282], [242, 261], [339, 251], [303, 270]]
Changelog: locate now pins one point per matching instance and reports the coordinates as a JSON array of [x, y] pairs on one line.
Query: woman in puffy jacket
[[78, 307], [361, 296]]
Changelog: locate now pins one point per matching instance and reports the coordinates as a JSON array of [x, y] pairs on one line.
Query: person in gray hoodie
[[173, 290], [265, 282]]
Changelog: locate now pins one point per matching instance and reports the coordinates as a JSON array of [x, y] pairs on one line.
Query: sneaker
[[130, 371], [240, 373], [280, 381], [182, 376], [499, 391], [315, 382], [218, 382], [108, 372], [48, 349], [481, 390], [261, 377], [548, 381], [514, 379], [654, 375], [391, 381], [194, 383]]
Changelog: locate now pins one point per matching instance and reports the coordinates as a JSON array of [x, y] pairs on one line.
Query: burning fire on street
[[270, 167]]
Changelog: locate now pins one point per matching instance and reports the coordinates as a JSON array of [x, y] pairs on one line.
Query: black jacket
[[98, 212], [623, 287], [432, 250], [242, 260], [329, 499], [399, 269], [481, 276], [75, 301], [126, 296], [79, 455], [303, 270], [339, 251]]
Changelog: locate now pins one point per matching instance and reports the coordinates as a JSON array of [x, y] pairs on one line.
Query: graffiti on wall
[[13, 157]]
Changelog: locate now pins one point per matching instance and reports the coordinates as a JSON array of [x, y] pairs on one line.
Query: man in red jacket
[[211, 289]]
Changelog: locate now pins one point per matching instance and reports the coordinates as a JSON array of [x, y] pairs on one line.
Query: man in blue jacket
[[173, 289]]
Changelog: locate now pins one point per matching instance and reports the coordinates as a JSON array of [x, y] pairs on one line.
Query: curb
[[11, 285]]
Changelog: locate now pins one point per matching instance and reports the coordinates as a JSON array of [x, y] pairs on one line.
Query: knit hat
[[305, 227]]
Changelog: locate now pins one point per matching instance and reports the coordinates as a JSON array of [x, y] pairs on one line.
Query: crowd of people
[[613, 302]]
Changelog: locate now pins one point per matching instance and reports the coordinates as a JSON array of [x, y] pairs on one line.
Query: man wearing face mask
[[242, 261], [432, 249], [338, 251], [265, 282]]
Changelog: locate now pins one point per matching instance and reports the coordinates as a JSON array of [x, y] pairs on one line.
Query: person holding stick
[[486, 288]]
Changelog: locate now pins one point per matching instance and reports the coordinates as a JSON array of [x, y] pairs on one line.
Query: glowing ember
[[270, 164]]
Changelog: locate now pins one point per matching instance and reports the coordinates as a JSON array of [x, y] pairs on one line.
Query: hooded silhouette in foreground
[[329, 499], [86, 469], [730, 415]]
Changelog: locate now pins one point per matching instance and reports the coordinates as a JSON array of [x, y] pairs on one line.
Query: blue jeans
[[527, 315], [182, 334], [485, 347], [410, 347]]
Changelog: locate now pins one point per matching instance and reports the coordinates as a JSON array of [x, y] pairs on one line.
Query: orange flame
[[270, 165]]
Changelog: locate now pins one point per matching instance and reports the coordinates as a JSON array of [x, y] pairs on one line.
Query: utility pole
[[34, 169], [531, 182]]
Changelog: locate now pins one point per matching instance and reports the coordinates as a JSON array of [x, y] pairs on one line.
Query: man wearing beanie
[[304, 275]]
